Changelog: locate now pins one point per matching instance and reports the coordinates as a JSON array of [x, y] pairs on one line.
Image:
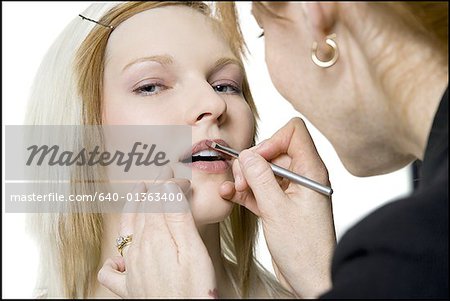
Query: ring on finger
[[122, 242]]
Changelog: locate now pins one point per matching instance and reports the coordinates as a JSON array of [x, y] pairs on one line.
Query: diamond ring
[[123, 241]]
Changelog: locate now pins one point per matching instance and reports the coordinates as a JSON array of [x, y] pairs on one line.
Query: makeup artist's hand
[[167, 257], [297, 221]]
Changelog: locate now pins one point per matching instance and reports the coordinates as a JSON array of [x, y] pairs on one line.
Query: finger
[[130, 209], [112, 277], [167, 175], [135, 207], [152, 204], [139, 225], [166, 172], [149, 216], [292, 139], [129, 215], [243, 198], [241, 184], [239, 180], [261, 179], [227, 190], [179, 219], [154, 228], [282, 141], [282, 160], [247, 199]]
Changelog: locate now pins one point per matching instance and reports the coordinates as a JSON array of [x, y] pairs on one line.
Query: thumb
[[260, 178]]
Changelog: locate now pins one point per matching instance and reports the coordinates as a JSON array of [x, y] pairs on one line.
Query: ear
[[321, 17]]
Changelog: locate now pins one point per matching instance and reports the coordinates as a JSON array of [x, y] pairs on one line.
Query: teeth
[[207, 153]]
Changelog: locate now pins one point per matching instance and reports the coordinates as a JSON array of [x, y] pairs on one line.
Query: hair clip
[[85, 18]]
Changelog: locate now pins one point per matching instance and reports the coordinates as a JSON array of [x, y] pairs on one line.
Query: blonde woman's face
[[171, 66]]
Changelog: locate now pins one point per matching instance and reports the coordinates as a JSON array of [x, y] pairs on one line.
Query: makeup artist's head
[[164, 63], [374, 104]]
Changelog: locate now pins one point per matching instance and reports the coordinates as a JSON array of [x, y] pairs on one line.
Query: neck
[[412, 72], [209, 234], [417, 100]]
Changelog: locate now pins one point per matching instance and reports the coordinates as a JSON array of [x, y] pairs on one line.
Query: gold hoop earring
[[326, 64]]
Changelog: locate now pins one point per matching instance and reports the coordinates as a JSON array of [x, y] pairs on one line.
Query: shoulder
[[400, 250], [417, 219]]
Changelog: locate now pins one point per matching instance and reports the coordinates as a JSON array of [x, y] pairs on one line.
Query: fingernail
[[139, 187], [237, 179]]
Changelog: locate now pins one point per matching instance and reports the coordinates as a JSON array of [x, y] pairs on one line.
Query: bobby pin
[[85, 18]]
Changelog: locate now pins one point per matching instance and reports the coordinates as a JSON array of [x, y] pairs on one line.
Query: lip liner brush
[[280, 171]]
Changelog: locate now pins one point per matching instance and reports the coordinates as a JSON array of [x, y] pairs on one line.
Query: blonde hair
[[69, 81], [395, 25], [429, 18]]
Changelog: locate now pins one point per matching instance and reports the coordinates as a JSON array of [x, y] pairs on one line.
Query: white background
[[28, 30]]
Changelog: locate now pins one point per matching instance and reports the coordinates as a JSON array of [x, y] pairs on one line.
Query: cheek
[[121, 108], [131, 114], [277, 64], [118, 107], [243, 123], [207, 206], [287, 62]]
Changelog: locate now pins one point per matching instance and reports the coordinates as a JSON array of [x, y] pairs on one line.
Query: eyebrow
[[162, 59], [167, 60], [222, 62]]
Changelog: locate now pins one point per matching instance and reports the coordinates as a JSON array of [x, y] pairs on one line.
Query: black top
[[401, 249]]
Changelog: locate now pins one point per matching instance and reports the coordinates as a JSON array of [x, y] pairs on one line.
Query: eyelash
[[236, 89], [141, 90], [261, 35]]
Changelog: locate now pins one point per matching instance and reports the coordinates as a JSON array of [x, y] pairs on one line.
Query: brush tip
[[211, 144]]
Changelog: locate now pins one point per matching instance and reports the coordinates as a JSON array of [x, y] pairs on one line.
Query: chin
[[207, 206]]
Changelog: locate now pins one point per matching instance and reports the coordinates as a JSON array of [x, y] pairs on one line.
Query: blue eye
[[227, 88], [150, 89]]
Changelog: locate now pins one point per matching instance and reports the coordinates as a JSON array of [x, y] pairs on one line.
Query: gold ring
[[122, 242]]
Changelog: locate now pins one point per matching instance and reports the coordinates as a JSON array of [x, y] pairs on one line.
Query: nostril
[[202, 115]]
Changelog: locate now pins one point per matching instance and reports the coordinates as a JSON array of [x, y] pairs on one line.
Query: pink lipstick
[[203, 158]]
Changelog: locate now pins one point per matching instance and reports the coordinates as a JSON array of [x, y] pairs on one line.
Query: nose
[[207, 106]]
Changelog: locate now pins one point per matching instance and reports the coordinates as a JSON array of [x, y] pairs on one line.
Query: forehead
[[180, 31]]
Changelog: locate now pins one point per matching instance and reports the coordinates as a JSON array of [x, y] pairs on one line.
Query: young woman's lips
[[211, 166], [217, 166]]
